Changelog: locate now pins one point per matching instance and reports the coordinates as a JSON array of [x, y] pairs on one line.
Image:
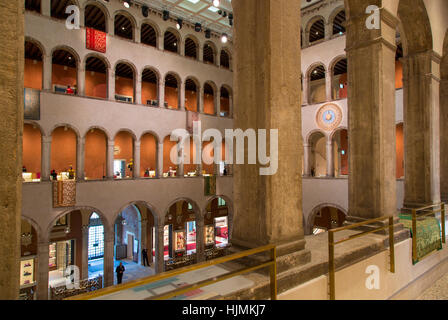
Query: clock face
[[329, 117]]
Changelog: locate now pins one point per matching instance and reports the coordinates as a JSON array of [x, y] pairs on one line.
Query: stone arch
[[95, 127], [69, 50], [230, 206], [98, 56], [37, 125], [102, 7], [37, 43], [335, 131], [154, 25], [197, 209], [315, 210], [312, 133], [133, 135], [314, 66], [155, 214], [78, 134], [151, 132], [40, 235]]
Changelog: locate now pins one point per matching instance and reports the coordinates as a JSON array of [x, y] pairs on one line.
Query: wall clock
[[329, 117]]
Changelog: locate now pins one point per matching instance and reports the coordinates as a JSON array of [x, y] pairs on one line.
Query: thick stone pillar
[[111, 85], [109, 272], [330, 159], [47, 70], [200, 245], [43, 257], [162, 93], [110, 160], [11, 132], [371, 101], [85, 252], [444, 138], [421, 84], [80, 158], [81, 81], [268, 209], [46, 158], [45, 7], [160, 160], [136, 169], [180, 166], [159, 263], [138, 90], [328, 89], [306, 160]]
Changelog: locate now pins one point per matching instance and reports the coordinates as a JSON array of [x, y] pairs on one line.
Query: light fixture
[[208, 34], [123, 222], [224, 38], [67, 230], [166, 15], [198, 27], [127, 4], [145, 11], [179, 24], [216, 3]]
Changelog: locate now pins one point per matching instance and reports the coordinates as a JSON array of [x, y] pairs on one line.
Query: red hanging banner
[[95, 40]]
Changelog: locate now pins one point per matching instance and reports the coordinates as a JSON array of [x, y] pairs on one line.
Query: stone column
[[47, 69], [371, 59], [180, 166], [218, 102], [305, 91], [306, 40], [137, 34], [80, 158], [330, 159], [421, 84], [85, 252], [109, 272], [231, 106], [42, 269], [328, 86], [46, 7], [111, 26], [138, 90], [11, 132], [161, 42], [328, 30], [136, 169], [266, 44], [159, 160], [159, 263], [110, 160], [162, 93], [46, 158], [182, 95], [81, 88], [182, 48], [306, 160], [201, 53], [200, 245], [201, 98], [144, 240], [111, 85], [444, 137]]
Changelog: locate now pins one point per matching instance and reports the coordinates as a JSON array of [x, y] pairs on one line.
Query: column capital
[[46, 139]]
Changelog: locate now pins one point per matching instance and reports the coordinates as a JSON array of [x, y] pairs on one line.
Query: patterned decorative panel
[[64, 193], [31, 104], [95, 40]]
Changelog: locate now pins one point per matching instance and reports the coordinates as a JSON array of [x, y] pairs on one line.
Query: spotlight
[[145, 11], [166, 15], [208, 33], [224, 14], [224, 38], [198, 27], [127, 3], [216, 3], [179, 24]]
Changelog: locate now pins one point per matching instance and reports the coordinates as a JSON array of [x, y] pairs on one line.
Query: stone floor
[[438, 291], [133, 270]]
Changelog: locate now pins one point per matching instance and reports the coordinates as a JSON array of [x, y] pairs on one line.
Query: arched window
[[171, 92], [317, 86], [209, 99], [171, 42], [64, 72], [33, 71], [124, 83], [58, 8], [95, 154], [340, 150], [328, 218], [225, 59], [124, 27], [216, 224], [148, 156], [124, 155], [191, 96], [63, 150], [148, 35], [209, 53], [95, 18], [33, 5], [317, 31], [339, 23], [340, 81], [318, 158], [150, 88], [191, 49], [96, 78], [225, 102], [31, 160]]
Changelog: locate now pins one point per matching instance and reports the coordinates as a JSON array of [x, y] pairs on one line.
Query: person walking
[[120, 270], [145, 257]]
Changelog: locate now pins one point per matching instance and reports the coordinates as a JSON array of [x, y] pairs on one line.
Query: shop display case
[[179, 241], [52, 263], [27, 277], [209, 235]]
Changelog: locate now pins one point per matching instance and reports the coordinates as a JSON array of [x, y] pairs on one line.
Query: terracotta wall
[[171, 96], [400, 151], [32, 150], [208, 168], [343, 91], [95, 154], [344, 158], [125, 143], [33, 74], [209, 104], [64, 77], [191, 101], [149, 92], [96, 84], [398, 75], [63, 150], [148, 153], [192, 166], [124, 86], [225, 105], [167, 146], [317, 91]]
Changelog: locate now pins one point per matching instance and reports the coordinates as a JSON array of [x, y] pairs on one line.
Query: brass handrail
[[332, 243], [272, 264], [428, 213]]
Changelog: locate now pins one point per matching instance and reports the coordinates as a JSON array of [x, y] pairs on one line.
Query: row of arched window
[[318, 29], [125, 26], [96, 78]]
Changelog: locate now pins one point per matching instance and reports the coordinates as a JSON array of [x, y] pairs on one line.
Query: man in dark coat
[[120, 270]]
